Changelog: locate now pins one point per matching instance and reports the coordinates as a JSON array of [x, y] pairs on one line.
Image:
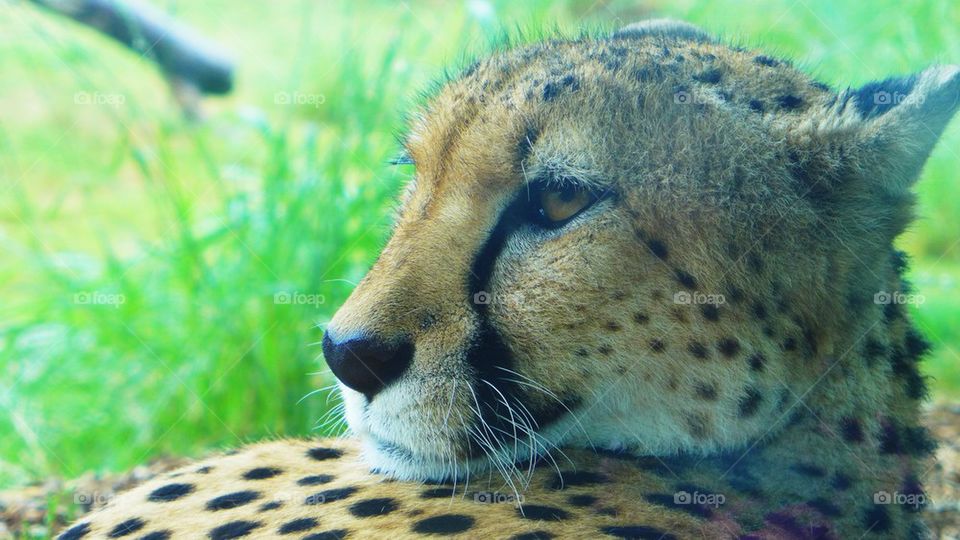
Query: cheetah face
[[592, 252]]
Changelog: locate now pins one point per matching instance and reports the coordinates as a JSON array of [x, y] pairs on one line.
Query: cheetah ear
[[897, 122], [664, 28]]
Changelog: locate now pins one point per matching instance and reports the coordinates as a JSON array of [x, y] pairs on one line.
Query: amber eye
[[557, 206]]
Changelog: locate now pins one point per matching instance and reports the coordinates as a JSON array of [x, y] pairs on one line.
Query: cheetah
[[641, 285]]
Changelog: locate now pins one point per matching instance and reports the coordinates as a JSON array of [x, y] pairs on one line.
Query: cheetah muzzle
[[641, 286]]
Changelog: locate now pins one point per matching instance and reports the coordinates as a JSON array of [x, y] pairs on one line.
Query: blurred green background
[[164, 283]]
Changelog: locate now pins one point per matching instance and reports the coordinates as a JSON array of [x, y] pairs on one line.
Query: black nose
[[368, 364]]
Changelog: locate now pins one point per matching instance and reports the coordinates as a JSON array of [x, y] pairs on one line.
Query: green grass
[[196, 228]]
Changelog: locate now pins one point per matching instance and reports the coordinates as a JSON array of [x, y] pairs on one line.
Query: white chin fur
[[408, 450]]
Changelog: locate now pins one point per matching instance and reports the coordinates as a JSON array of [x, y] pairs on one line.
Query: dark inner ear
[[876, 98]]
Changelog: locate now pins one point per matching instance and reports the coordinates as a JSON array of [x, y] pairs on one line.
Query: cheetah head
[[644, 241]]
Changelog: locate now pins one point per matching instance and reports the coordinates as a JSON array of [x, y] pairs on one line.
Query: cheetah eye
[[556, 205]]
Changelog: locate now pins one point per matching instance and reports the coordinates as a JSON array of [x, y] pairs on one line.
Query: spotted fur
[[708, 342]]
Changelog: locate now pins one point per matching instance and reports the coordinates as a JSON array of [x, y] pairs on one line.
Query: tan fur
[[733, 176]]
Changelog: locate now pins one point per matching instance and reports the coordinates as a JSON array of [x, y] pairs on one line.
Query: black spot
[[657, 345], [790, 344], [272, 505], [637, 532], [205, 469], [576, 478], [841, 481], [876, 519], [749, 402], [658, 248], [764, 60], [668, 500], [706, 391], [333, 534], [170, 492], [437, 493], [444, 524], [613, 326], [75, 532], [535, 535], [315, 479], [605, 350], [550, 91], [232, 500], [710, 312], [806, 469], [916, 345], [735, 294], [757, 362], [852, 430], [234, 529], [890, 438], [711, 76], [821, 86], [789, 102], [728, 346], [157, 535], [874, 349], [298, 525], [685, 279], [697, 349], [825, 507], [261, 473], [373, 507], [917, 441], [640, 318], [756, 105], [755, 263], [581, 500], [320, 453], [329, 496], [129, 526], [542, 513], [570, 82]]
